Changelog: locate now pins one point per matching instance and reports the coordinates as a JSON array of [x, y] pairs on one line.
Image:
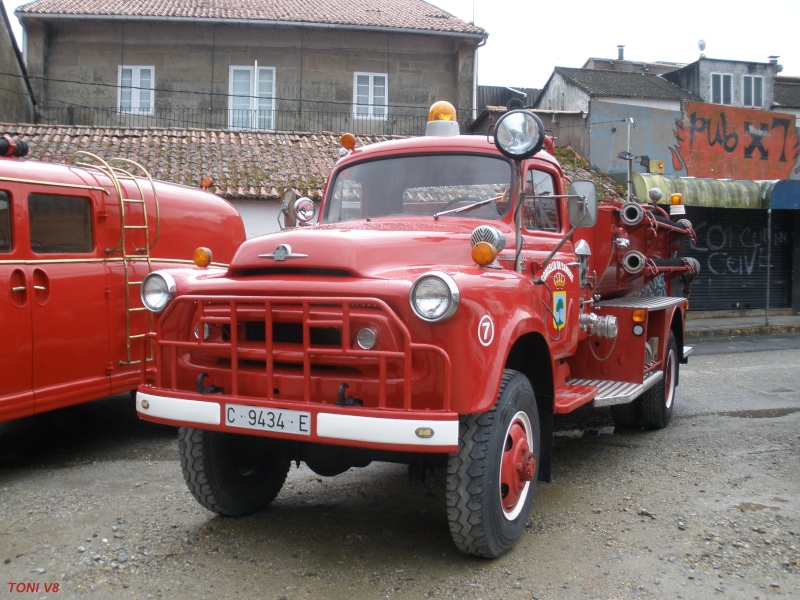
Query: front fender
[[496, 311]]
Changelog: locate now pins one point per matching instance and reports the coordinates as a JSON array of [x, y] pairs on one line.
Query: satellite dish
[[702, 45]]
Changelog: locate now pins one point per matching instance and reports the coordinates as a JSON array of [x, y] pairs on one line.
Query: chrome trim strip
[[386, 431], [178, 409], [74, 186]]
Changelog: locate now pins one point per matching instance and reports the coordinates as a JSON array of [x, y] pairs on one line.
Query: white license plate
[[268, 419]]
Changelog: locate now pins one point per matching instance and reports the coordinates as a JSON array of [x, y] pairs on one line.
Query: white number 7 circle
[[486, 330]]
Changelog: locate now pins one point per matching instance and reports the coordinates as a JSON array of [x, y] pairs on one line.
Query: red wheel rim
[[517, 466]]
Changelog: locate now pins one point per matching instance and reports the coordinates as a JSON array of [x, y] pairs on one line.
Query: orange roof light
[[676, 207], [206, 183], [442, 111], [348, 141]]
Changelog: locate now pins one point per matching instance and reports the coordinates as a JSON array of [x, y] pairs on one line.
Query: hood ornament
[[282, 252]]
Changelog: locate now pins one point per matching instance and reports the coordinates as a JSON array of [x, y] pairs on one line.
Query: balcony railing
[[404, 121]]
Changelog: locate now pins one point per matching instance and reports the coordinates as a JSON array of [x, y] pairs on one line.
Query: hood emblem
[[282, 252]]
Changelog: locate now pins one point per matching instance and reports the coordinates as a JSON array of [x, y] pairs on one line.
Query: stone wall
[[314, 67]]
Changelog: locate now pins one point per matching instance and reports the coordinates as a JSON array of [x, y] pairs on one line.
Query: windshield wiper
[[466, 207]]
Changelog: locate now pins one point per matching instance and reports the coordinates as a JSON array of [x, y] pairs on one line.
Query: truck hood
[[362, 248]]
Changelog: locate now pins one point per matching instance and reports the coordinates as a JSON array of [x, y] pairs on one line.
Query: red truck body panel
[[64, 272], [452, 299]]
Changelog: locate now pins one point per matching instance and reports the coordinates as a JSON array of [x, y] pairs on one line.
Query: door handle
[[18, 287], [40, 283]]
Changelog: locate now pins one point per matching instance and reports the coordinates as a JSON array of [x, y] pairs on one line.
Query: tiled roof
[[242, 164], [787, 92], [393, 14], [622, 84]]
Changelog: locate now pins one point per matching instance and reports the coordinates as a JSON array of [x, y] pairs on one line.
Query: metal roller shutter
[[732, 250]]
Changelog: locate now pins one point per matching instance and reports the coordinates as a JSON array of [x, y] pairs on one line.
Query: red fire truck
[[456, 294], [76, 241]]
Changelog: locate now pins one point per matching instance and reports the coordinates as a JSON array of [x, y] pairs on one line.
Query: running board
[[617, 392]]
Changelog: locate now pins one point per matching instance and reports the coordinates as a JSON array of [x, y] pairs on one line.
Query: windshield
[[459, 185]]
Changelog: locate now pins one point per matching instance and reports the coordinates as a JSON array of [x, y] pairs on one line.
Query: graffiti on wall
[[725, 142], [735, 249]]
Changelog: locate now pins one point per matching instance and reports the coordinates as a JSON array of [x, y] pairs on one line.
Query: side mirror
[[287, 209], [582, 203]]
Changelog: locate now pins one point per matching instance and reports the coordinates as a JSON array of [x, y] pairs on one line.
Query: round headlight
[[157, 290], [304, 209], [519, 134], [434, 296]]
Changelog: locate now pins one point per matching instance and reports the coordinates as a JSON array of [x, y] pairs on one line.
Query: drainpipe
[[769, 262], [475, 76]]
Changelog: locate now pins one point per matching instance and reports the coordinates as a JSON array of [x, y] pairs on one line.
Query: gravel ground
[[92, 502]]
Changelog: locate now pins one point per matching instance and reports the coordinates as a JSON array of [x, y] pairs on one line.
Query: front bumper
[[403, 431]]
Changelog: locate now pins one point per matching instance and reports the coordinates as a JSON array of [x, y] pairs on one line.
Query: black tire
[[486, 514], [627, 416], [230, 474], [658, 401]]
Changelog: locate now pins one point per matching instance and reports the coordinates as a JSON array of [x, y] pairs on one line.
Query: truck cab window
[[422, 186], [5, 222], [60, 224], [541, 209]]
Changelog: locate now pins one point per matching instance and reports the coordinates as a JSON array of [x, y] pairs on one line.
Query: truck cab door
[[16, 353], [544, 226], [68, 295]]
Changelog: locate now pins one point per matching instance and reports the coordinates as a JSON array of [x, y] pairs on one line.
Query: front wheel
[[231, 474], [492, 478], [658, 401]]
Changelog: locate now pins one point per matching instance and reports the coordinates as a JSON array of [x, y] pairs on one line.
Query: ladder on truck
[[120, 170]]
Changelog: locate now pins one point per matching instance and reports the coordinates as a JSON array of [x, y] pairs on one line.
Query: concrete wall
[[696, 78], [562, 95], [16, 105], [314, 67], [650, 134]]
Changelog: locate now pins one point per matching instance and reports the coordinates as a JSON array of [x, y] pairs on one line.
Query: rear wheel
[[230, 474], [492, 478], [627, 415], [658, 401]]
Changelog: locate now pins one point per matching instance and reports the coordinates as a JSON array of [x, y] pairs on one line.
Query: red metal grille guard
[[314, 311]]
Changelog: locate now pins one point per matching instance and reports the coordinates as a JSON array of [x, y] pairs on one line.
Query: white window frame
[[753, 86], [723, 81], [137, 91], [259, 106], [376, 105]]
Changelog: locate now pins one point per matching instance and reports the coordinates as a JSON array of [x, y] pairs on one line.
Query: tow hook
[[212, 389], [349, 401]]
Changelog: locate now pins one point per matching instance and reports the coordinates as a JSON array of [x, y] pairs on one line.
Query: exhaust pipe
[[631, 213], [633, 262]]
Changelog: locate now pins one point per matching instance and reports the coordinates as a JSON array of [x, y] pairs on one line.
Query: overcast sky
[[527, 39]]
